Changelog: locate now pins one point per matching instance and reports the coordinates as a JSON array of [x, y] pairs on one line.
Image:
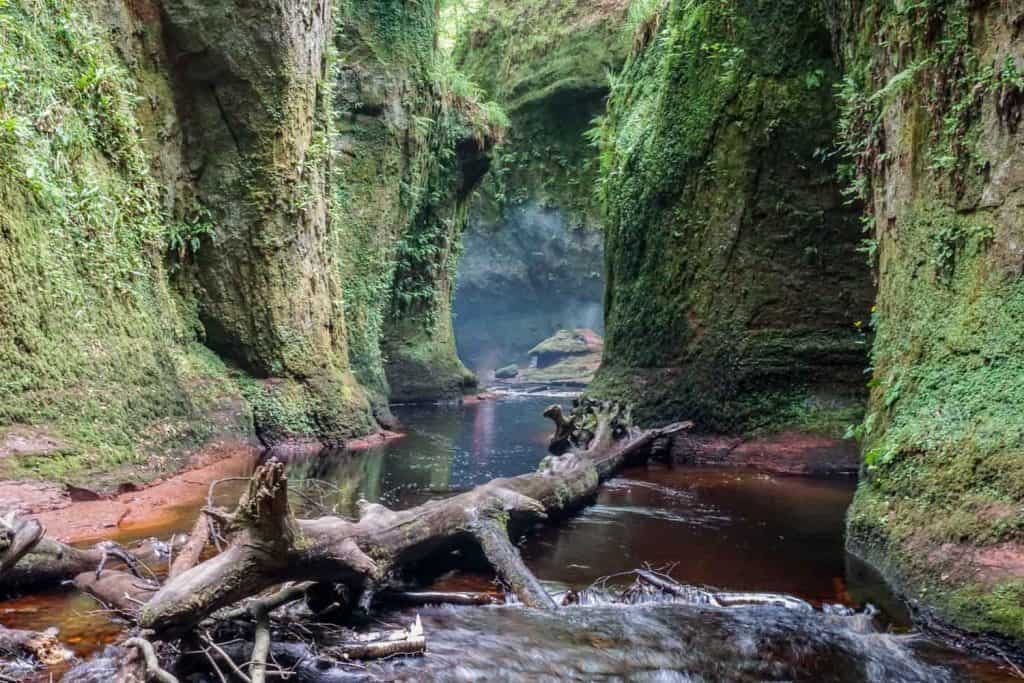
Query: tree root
[[144, 665]]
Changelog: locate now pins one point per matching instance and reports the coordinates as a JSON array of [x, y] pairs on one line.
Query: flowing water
[[729, 529]]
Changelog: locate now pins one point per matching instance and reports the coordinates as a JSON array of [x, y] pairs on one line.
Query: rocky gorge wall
[[216, 216], [932, 101], [734, 282], [736, 237], [533, 258]]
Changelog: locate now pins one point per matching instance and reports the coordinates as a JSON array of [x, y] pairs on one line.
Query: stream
[[730, 529]]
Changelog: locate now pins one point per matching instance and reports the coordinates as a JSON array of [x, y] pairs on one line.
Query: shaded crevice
[[225, 117]]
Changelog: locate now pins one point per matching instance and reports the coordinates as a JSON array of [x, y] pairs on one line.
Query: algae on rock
[[932, 104], [734, 285]]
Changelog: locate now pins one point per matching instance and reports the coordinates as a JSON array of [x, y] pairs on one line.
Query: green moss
[[943, 438], [95, 347], [415, 137], [733, 284], [564, 341], [945, 429], [547, 63]]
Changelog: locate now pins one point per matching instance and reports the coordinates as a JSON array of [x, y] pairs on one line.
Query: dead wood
[[140, 664], [260, 649], [271, 547], [424, 598], [43, 647], [17, 538], [562, 440], [121, 591], [192, 551], [507, 562], [47, 562], [381, 645]]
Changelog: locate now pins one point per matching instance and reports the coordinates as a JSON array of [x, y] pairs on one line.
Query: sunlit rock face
[[521, 280]]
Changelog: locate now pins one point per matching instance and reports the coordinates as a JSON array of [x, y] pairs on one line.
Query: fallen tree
[[330, 561], [29, 559], [270, 546]]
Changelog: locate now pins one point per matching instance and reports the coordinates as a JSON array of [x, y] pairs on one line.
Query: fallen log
[[424, 598], [270, 546], [17, 538], [381, 645], [120, 591], [48, 562]]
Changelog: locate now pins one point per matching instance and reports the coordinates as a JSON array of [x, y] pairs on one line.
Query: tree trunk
[[48, 562], [271, 547]]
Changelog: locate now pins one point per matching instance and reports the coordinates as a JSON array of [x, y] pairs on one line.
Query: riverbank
[[76, 515]]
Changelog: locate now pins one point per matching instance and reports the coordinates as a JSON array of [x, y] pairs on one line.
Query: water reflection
[[726, 528], [447, 449]]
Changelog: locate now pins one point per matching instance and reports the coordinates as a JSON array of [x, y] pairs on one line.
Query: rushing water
[[730, 529]]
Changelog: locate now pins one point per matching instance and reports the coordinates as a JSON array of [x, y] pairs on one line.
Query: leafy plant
[[184, 238]]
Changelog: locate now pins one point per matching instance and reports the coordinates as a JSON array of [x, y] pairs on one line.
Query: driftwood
[[44, 647], [381, 645], [332, 561], [17, 538], [47, 562], [192, 551], [270, 546], [561, 440], [423, 598], [121, 591], [140, 664]]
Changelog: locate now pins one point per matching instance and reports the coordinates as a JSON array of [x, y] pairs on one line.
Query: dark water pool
[[729, 529]]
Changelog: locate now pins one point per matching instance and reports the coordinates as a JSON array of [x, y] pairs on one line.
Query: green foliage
[[184, 238], [710, 153]]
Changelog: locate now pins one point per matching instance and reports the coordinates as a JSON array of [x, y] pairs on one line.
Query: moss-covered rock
[[534, 252], [932, 105], [266, 180], [547, 63], [95, 347], [734, 284], [411, 142]]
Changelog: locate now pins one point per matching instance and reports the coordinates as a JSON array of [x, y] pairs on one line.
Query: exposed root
[[146, 668]]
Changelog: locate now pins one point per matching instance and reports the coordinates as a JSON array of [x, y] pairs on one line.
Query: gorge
[[234, 227]]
